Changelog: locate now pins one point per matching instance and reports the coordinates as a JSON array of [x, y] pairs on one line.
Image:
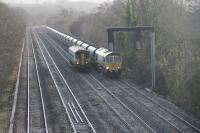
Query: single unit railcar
[[79, 57]]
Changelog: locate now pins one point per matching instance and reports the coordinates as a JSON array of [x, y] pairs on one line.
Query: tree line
[[12, 30]]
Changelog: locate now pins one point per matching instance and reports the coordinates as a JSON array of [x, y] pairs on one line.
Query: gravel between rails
[[36, 119], [56, 117]]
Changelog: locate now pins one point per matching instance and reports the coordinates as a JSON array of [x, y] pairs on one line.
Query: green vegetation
[[177, 44], [12, 28]]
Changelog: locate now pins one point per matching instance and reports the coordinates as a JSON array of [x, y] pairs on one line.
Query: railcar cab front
[[79, 57]]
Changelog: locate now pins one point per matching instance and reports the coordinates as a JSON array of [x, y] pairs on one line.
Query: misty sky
[[41, 1]]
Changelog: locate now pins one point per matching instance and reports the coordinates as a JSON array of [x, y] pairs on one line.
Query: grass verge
[[7, 95]]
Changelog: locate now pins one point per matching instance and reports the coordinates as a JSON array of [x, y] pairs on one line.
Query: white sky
[[41, 1]]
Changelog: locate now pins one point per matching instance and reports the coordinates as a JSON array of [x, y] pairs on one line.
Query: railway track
[[137, 100], [36, 113], [130, 118], [178, 123], [174, 119], [78, 119]]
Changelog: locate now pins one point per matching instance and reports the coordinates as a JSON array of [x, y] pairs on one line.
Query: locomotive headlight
[[77, 63], [107, 68], [118, 67]]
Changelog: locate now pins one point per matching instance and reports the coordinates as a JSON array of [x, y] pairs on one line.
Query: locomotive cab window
[[109, 59], [113, 59]]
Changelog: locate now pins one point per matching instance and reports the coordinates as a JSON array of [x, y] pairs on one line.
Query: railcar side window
[[77, 55]]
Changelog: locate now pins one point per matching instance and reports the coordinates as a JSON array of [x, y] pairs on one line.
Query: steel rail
[[90, 125], [107, 103], [77, 113], [167, 121], [124, 105], [73, 112], [28, 96], [40, 88], [65, 58], [164, 108], [56, 85]]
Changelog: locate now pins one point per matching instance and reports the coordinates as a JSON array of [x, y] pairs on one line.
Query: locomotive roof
[[104, 52]]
